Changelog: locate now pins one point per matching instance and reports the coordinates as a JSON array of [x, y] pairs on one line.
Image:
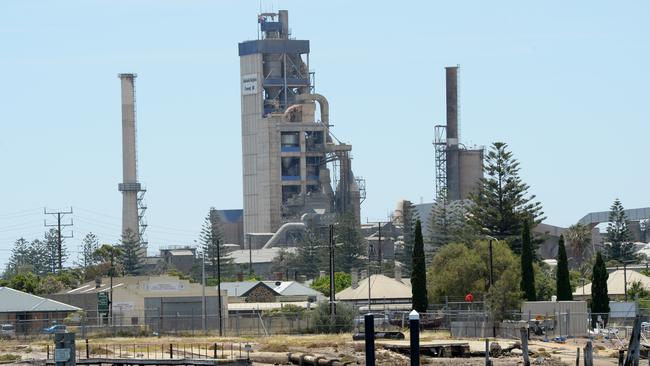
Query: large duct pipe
[[322, 101], [452, 105]]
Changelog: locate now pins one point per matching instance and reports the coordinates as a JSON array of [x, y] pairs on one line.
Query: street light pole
[[203, 308]]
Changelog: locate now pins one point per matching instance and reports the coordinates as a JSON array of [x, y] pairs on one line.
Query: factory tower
[[132, 192], [458, 169], [292, 165]]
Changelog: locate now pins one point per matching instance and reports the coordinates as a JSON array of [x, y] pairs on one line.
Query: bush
[[343, 321]]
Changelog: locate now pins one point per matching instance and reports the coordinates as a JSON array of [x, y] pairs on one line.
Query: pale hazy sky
[[564, 83]]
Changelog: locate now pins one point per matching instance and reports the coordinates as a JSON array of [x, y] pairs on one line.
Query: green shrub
[[343, 321]]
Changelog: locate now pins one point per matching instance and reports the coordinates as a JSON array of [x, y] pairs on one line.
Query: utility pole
[[203, 307], [379, 249], [332, 287], [213, 220], [59, 236]]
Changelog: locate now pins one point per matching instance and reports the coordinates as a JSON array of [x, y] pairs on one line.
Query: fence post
[[171, 351], [588, 353], [578, 356], [215, 351], [524, 346], [87, 350], [48, 351], [487, 352], [369, 336], [414, 325]]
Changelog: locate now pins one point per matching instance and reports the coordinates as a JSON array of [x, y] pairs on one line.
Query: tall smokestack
[[129, 186], [453, 159], [452, 105]]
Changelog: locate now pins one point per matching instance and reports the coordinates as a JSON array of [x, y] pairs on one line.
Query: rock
[[495, 349], [516, 352]]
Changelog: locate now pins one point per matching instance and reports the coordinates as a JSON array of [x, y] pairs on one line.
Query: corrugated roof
[[382, 287], [292, 288], [17, 301], [259, 255], [616, 283]]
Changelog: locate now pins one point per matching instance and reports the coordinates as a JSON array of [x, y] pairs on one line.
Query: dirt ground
[[274, 349]]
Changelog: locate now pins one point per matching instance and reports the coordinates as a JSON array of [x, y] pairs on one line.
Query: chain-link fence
[[460, 320]]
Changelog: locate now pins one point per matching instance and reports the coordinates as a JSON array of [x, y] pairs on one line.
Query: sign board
[[62, 355], [166, 286], [121, 307], [102, 302], [249, 84]]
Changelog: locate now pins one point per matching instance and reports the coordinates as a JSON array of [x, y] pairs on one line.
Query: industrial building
[[458, 169], [294, 169], [133, 206]]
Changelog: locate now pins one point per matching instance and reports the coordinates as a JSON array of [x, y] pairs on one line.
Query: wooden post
[[578, 356], [588, 353], [487, 352], [634, 347], [524, 346], [621, 357], [215, 351], [171, 350], [87, 350]]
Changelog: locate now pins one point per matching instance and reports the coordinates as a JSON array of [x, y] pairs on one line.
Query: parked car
[[7, 331], [56, 328]]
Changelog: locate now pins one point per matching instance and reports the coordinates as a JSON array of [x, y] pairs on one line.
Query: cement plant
[[299, 275]]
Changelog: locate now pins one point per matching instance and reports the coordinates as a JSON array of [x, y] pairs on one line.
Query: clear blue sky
[[565, 84]]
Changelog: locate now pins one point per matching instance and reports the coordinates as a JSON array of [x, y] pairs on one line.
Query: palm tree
[[578, 238]]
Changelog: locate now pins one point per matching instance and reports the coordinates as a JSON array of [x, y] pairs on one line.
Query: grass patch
[[274, 347], [10, 357]]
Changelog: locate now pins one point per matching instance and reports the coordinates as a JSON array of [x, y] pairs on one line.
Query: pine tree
[[131, 249], [563, 281], [527, 269], [89, 246], [19, 260], [311, 255], [618, 235], [501, 202], [52, 250], [599, 296], [347, 236], [418, 274], [404, 256], [449, 223], [218, 263]]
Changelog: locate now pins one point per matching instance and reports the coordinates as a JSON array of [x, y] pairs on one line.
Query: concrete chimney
[[452, 151], [129, 186], [354, 273], [452, 105], [398, 273]]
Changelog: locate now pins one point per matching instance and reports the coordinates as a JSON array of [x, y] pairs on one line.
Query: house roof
[[616, 283], [281, 288], [292, 288], [14, 301], [243, 288], [381, 287]]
